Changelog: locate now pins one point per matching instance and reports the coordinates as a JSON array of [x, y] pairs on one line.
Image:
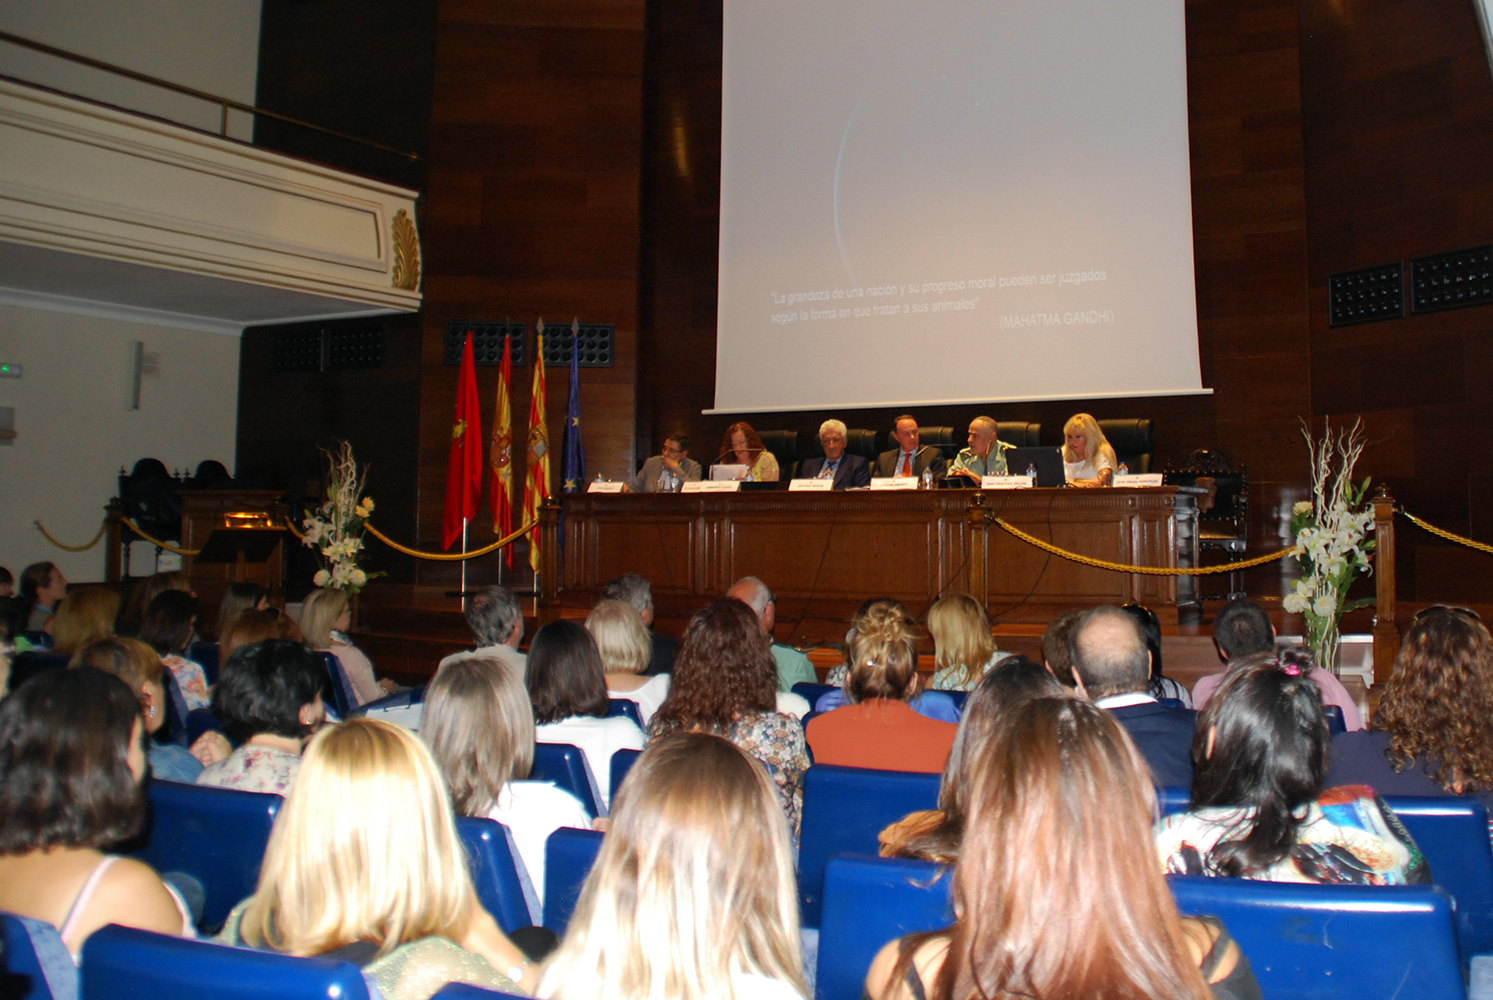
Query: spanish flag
[[500, 456]]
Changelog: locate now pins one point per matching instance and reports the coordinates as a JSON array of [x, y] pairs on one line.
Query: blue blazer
[[1163, 735], [853, 471]]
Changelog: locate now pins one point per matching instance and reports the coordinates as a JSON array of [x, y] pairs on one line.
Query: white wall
[[209, 45], [74, 428]]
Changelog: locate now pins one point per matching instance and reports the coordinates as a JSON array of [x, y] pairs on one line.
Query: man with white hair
[[847, 471], [985, 455], [497, 626], [793, 666]]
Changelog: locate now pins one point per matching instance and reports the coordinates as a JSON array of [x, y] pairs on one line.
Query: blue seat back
[[1172, 800], [565, 765], [344, 699], [622, 762], [217, 835], [1335, 723], [568, 857], [206, 654], [34, 964], [501, 881], [1335, 942], [959, 698], [466, 991], [24, 666], [625, 708], [122, 963], [1452, 832], [844, 809], [868, 902], [399, 699], [812, 692]]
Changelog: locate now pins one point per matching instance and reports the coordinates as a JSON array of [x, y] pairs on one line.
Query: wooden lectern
[[239, 536]]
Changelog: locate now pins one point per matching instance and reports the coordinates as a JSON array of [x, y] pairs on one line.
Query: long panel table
[[823, 554]]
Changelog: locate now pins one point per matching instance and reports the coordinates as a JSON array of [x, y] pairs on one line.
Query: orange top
[[883, 734]]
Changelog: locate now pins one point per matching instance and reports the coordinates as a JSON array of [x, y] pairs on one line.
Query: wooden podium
[[239, 536]]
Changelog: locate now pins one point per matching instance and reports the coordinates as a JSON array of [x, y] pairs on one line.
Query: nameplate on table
[[1138, 479], [810, 485], [1006, 482], [712, 486], [895, 482], [601, 486]]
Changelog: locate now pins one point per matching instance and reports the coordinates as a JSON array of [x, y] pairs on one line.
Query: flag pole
[[464, 564]]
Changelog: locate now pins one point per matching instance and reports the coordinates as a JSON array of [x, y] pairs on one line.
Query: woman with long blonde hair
[[963, 645], [364, 865], [1088, 459], [692, 896], [1057, 889]]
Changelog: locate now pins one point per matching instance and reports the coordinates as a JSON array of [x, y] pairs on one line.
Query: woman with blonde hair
[[325, 617], [480, 726], [963, 646], [1088, 459], [364, 865], [742, 446], [626, 651], [84, 615], [692, 896], [1056, 890]]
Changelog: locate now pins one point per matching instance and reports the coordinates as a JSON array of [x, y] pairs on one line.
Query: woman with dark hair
[[238, 598], [1258, 809], [169, 620], [42, 586], [725, 682], [1056, 887], [72, 761], [268, 699], [742, 446], [1150, 626], [935, 834], [142, 593], [1434, 731], [569, 693], [253, 625]]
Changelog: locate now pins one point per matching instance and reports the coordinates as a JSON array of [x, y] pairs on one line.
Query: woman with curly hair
[[742, 446], [725, 682], [1434, 731]]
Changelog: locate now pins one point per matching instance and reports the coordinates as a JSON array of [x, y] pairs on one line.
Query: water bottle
[[1124, 469], [663, 480], [927, 479], [1031, 470]]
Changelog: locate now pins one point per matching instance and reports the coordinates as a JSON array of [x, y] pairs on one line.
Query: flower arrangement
[[1332, 543], [336, 528]]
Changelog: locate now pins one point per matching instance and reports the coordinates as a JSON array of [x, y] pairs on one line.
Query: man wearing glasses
[[665, 473]]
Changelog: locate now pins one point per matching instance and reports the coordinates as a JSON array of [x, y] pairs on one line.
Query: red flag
[[501, 456], [537, 484], [464, 473]]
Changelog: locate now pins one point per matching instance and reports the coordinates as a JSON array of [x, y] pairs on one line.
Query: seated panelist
[[1088, 459], [668, 469], [742, 446], [847, 471], [985, 455], [908, 458]]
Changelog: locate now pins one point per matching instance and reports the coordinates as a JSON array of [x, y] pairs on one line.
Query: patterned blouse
[[191, 678], [253, 768], [777, 740]]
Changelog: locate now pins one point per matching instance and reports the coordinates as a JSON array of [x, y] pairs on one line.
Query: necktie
[[904, 464], [828, 471]]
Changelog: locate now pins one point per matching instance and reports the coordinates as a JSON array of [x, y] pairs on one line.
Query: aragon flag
[[464, 471], [537, 483]]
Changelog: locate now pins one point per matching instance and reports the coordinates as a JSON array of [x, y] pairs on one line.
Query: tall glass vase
[[1321, 638]]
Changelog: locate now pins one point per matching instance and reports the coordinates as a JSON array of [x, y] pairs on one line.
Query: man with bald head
[[985, 455], [1113, 665], [793, 666]]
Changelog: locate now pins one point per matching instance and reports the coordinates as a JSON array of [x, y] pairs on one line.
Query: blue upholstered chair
[[344, 700], [626, 708], [217, 835], [34, 963], [812, 692], [869, 901], [844, 809], [121, 963], [206, 654], [622, 762], [1335, 723], [499, 876], [565, 765], [466, 991], [568, 857], [1452, 832]]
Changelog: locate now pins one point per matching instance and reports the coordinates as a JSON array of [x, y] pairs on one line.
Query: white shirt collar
[[1126, 700]]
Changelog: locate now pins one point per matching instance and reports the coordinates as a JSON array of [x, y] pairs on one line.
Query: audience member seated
[[138, 666], [909, 458], [985, 456], [1111, 662], [692, 895], [877, 727], [84, 616], [498, 626], [569, 695], [365, 866], [1242, 629], [1434, 731], [480, 726], [742, 446], [238, 598], [268, 699], [846, 471], [935, 834], [636, 590], [42, 586], [72, 765], [624, 647], [251, 626], [1088, 459], [667, 471], [793, 667], [325, 618], [1159, 685], [725, 682], [1257, 805], [1057, 646], [1056, 888], [142, 593], [167, 626], [7, 583], [870, 607], [963, 647]]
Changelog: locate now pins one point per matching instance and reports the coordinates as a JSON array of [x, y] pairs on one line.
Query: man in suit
[[848, 471], [908, 459], [1113, 666], [635, 589]]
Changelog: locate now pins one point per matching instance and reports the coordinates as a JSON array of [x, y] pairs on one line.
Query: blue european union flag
[[575, 456]]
